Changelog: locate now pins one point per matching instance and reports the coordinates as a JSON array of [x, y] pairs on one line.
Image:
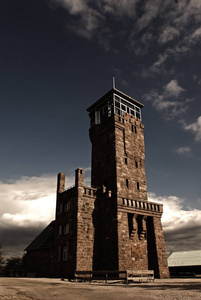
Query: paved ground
[[50, 289]]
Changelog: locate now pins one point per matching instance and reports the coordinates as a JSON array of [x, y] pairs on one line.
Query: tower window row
[[123, 106], [114, 105]]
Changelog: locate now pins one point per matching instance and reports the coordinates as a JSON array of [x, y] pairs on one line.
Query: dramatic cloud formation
[[28, 205], [182, 228]]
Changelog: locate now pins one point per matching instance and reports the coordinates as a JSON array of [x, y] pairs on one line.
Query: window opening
[[65, 252], [61, 207], [127, 185], [66, 228], [136, 164], [121, 105], [130, 224], [138, 186], [126, 160]]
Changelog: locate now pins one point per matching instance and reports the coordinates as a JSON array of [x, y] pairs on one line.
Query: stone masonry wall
[[132, 242], [130, 158], [103, 155], [160, 248], [85, 227], [105, 238]]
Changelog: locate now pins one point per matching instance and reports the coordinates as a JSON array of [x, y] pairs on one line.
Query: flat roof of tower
[[119, 93]]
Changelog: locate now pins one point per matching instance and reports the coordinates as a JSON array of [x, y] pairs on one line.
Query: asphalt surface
[[50, 289]]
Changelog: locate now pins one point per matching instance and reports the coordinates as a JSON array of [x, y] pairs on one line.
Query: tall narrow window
[[59, 253], [68, 205], [138, 186], [130, 223], [61, 208], [97, 117], [126, 162], [65, 252], [136, 164], [127, 185], [66, 228], [133, 128]]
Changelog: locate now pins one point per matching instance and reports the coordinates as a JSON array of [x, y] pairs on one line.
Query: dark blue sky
[[57, 57]]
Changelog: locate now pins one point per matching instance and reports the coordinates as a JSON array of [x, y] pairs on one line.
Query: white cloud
[[158, 65], [173, 89], [183, 150], [28, 205], [165, 102], [168, 34], [195, 128], [182, 228], [28, 201], [197, 33]]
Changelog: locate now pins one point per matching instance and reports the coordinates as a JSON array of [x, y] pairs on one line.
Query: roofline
[[114, 90]]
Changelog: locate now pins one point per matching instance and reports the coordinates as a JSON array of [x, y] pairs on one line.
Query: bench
[[129, 275], [140, 275]]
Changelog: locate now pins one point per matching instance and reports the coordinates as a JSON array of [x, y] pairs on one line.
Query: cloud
[[195, 128], [166, 101], [168, 34], [151, 11], [21, 220], [26, 205], [144, 24], [183, 150], [89, 17], [182, 228], [173, 89]]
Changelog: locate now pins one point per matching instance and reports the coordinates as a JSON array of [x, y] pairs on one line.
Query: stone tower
[[128, 231], [109, 225]]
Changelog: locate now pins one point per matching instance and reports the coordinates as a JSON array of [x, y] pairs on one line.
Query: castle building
[[109, 225]]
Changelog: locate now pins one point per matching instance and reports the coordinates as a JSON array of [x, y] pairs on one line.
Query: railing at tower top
[[149, 206], [89, 191]]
